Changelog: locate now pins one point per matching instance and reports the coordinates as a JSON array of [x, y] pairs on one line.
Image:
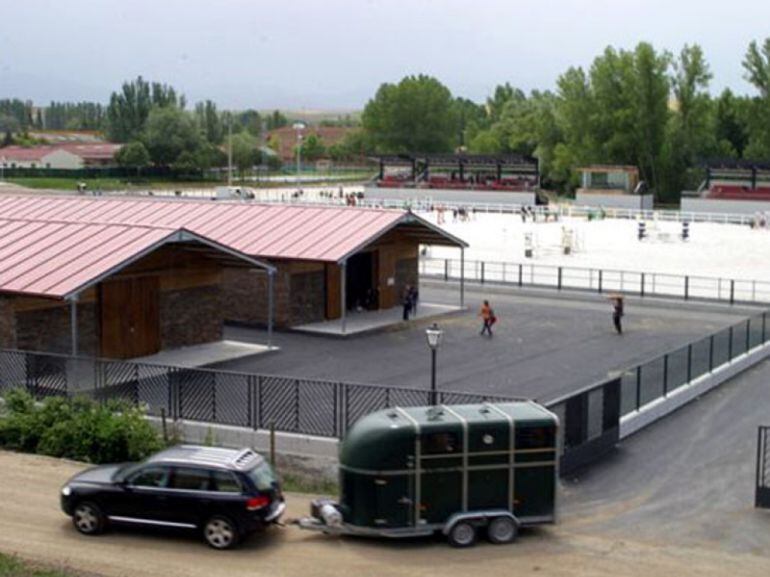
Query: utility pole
[[229, 149]]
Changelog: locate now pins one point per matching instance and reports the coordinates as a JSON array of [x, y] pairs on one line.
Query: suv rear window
[[190, 479], [263, 477]]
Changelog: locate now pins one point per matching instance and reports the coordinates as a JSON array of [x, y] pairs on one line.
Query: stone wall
[[308, 302], [48, 329], [7, 323], [190, 316]]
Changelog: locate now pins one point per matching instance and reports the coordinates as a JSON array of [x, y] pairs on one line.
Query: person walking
[[406, 302], [617, 312], [488, 316], [413, 296]]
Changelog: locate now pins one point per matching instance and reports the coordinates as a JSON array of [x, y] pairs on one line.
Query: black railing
[[686, 287], [762, 498], [590, 418]]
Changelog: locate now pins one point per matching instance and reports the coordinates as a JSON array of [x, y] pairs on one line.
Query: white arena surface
[[712, 256]]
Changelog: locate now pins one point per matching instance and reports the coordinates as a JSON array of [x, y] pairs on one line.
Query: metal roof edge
[[178, 235], [406, 217]]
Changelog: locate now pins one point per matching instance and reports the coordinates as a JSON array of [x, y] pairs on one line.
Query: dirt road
[[33, 527]]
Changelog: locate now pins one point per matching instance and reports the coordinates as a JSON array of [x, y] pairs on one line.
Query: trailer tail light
[[257, 503]]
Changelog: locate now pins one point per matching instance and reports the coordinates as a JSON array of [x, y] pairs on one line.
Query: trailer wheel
[[502, 530], [462, 534]]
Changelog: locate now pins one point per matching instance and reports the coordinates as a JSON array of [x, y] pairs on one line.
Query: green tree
[[130, 108], [731, 130], [245, 152], [169, 132], [133, 155], [415, 115], [312, 148], [210, 121], [757, 67], [276, 120]]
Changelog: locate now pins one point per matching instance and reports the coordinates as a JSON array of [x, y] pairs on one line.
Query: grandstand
[[512, 172], [733, 186]]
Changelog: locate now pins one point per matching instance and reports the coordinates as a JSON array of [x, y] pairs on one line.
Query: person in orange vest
[[488, 316]]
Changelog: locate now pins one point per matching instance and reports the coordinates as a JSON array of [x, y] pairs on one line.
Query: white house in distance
[[63, 156]]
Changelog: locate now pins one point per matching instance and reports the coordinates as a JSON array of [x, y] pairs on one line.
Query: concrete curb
[[663, 406]]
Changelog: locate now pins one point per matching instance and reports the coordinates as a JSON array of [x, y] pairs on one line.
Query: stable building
[[283, 265]]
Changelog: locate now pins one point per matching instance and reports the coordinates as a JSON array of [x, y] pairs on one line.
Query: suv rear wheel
[[220, 532], [88, 518]]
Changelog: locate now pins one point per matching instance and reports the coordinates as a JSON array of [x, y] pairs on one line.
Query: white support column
[[74, 325], [343, 293], [270, 307]]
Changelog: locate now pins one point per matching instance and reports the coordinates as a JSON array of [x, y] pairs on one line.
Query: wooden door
[[333, 288], [130, 317]]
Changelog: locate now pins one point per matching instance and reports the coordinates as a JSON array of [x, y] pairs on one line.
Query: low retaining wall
[[634, 201], [721, 206], [648, 414], [451, 195]]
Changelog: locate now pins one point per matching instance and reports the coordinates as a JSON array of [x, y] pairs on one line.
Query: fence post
[[346, 416], [711, 353], [748, 334], [334, 412], [446, 269], [689, 362], [214, 396], [665, 375], [521, 274], [136, 385], [482, 272], [250, 401], [764, 318], [260, 413], [641, 286], [732, 291], [638, 387], [296, 405], [730, 345], [600, 281], [686, 287]]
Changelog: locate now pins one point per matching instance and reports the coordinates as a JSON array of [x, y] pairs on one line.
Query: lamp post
[[434, 335], [299, 127]]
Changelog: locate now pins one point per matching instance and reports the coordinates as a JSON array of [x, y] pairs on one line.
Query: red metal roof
[[320, 233], [24, 153]]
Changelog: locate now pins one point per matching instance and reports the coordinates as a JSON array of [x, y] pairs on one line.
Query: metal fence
[[762, 498], [663, 375], [597, 280], [590, 418], [290, 404]]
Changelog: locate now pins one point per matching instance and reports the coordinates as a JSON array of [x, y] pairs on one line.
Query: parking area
[[545, 344]]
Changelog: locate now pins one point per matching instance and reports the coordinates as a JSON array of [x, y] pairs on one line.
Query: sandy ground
[[714, 250], [33, 527]]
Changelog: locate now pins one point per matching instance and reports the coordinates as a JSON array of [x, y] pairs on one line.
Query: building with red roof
[[126, 277], [59, 156]]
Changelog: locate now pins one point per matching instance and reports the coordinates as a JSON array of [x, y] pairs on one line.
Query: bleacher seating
[[739, 192]]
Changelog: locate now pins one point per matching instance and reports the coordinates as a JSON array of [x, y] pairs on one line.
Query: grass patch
[[13, 567], [298, 483]]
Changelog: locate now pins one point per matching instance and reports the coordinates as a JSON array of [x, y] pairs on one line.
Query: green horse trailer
[[459, 469]]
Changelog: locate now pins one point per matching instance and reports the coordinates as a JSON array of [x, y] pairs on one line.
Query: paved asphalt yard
[[674, 501], [546, 344]]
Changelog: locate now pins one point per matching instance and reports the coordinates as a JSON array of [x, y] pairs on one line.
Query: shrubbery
[[77, 428]]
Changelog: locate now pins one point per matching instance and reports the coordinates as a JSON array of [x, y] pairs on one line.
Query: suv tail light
[[256, 503]]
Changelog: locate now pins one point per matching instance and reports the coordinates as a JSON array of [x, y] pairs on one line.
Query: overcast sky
[[329, 54]]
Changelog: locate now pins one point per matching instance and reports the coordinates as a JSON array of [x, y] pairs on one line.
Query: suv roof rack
[[234, 458]]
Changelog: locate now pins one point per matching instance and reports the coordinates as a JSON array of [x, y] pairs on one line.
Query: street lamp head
[[434, 335]]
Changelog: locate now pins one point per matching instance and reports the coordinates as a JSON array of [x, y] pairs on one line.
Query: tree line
[[643, 107]]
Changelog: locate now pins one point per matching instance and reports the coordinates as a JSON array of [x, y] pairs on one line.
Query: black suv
[[224, 493]]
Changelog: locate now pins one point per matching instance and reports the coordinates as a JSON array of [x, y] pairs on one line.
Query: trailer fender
[[478, 517]]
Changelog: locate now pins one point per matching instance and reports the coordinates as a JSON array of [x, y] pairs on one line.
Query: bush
[[76, 428]]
